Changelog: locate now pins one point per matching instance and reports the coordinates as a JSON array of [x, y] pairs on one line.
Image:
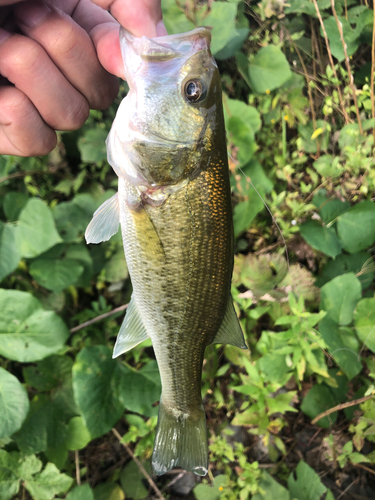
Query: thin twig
[[171, 483], [341, 407], [78, 472], [364, 467], [98, 318], [140, 466], [348, 488], [347, 62], [331, 60]]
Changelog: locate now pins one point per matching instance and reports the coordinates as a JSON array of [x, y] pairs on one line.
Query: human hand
[[47, 51]]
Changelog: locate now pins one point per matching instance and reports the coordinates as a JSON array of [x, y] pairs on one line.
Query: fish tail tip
[[181, 440]]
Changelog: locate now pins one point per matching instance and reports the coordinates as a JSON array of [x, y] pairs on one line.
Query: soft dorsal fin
[[105, 221], [230, 331], [132, 331]]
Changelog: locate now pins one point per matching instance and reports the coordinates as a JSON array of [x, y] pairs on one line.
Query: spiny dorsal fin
[[230, 331], [105, 221], [132, 331]]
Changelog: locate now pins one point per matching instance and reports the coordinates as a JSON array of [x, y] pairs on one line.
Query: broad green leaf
[[364, 319], [255, 172], [306, 7], [116, 268], [139, 390], [327, 166], [14, 404], [27, 332], [132, 481], [268, 70], [92, 145], [317, 400], [108, 491], [321, 238], [9, 480], [13, 204], [49, 373], [78, 435], [351, 37], [47, 484], [206, 492], [9, 253], [55, 274], [80, 254], [360, 263], [273, 365], [174, 18], [246, 211], [339, 298], [329, 210], [96, 379], [304, 141], [72, 218], [83, 492], [269, 489], [342, 345], [356, 227], [36, 230], [307, 485]]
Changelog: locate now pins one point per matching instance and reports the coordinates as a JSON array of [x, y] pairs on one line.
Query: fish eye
[[194, 91]]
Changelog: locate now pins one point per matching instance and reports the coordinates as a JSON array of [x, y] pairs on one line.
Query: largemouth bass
[[168, 147]]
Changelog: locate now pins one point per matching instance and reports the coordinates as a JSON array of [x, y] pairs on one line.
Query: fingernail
[[4, 35], [32, 14], [161, 30]]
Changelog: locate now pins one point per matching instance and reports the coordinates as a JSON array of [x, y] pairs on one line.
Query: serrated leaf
[[27, 331], [268, 70], [339, 298], [36, 230], [96, 378], [47, 484], [14, 404], [356, 227]]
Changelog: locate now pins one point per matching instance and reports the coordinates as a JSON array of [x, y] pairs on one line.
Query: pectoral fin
[[230, 331], [105, 222], [132, 331]]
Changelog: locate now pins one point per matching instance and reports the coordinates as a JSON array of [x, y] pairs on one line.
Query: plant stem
[[140, 466], [78, 472], [346, 117], [341, 407], [347, 62], [98, 318]]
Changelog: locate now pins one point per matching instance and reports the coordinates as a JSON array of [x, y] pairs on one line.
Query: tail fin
[[181, 439]]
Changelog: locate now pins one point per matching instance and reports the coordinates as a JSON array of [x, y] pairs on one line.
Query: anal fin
[[132, 331], [105, 221], [230, 331]]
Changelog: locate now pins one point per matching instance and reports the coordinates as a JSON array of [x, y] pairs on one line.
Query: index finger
[[143, 17]]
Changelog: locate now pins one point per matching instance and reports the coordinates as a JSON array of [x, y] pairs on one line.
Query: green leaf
[[13, 204], [47, 484], [268, 70], [83, 492], [356, 227], [357, 263], [27, 332], [305, 143], [81, 255], [269, 489], [364, 319], [351, 37], [9, 253], [342, 345], [138, 390], [205, 492], [132, 481], [108, 491], [116, 268], [329, 210], [36, 230], [305, 484], [174, 18], [55, 274], [49, 373], [327, 166], [321, 238], [246, 211], [14, 404], [317, 400], [92, 145], [9, 480], [339, 298], [78, 434], [96, 378], [72, 217]]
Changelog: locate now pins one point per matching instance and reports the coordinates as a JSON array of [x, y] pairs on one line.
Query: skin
[[57, 61], [179, 253]]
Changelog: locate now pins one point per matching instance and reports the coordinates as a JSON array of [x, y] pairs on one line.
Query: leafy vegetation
[[299, 107]]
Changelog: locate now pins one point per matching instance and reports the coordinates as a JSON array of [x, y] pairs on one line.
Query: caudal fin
[[181, 440]]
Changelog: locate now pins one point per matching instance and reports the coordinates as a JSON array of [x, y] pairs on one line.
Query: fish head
[[164, 127]]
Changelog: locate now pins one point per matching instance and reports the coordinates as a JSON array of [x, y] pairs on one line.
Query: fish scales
[[168, 148]]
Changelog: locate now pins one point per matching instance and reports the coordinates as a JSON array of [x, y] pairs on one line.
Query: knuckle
[[23, 56], [76, 115]]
